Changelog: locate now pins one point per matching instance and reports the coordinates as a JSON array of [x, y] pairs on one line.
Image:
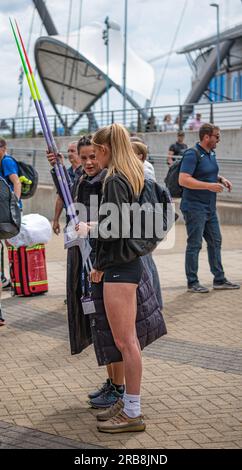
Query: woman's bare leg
[[121, 308], [110, 371], [118, 373], [115, 372]]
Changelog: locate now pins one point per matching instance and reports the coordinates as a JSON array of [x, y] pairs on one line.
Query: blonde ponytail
[[123, 158]]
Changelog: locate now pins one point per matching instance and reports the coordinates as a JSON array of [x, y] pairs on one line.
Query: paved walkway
[[192, 384]]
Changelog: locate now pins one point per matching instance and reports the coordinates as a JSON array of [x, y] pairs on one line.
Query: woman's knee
[[125, 344]]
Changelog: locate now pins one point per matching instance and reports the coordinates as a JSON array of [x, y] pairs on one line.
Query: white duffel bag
[[35, 228]]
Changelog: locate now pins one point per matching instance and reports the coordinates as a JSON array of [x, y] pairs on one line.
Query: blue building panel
[[222, 87], [240, 91], [211, 89], [235, 88]]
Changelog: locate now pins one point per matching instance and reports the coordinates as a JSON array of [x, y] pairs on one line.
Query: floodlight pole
[[216, 5], [179, 96], [114, 26], [106, 42]]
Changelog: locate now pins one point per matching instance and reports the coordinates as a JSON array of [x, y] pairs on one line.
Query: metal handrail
[[225, 114], [231, 168]]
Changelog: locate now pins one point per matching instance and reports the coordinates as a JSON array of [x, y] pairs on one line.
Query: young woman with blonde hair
[[141, 150], [118, 265]]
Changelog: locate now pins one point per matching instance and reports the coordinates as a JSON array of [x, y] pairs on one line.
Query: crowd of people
[[113, 166], [168, 125]]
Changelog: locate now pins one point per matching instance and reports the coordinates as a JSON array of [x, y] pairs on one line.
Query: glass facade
[[222, 87]]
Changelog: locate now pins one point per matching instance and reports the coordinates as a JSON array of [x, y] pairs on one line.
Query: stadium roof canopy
[[77, 78], [232, 33]]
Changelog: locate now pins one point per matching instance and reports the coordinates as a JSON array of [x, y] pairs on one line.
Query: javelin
[[59, 169]]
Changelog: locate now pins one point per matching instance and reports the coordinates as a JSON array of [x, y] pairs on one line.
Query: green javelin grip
[[28, 64], [33, 94], [50, 135]]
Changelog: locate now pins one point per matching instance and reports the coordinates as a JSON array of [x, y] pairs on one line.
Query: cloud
[[13, 5]]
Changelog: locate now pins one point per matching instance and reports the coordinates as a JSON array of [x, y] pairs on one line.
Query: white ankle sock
[[131, 405]]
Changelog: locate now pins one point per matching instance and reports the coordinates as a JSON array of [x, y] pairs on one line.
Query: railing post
[[55, 127], [34, 158], [66, 125], [33, 129], [13, 129], [152, 122], [89, 120], [139, 123], [211, 113], [180, 118], [112, 117]]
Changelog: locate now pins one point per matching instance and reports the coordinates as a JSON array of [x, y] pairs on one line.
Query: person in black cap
[[176, 149]]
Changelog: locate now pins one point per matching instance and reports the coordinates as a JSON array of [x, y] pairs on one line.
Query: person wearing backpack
[[200, 180], [9, 170], [82, 330], [121, 273]]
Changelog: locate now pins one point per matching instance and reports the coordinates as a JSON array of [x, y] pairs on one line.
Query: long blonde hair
[[123, 158]]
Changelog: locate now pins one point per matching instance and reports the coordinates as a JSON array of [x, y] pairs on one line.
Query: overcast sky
[[151, 28]]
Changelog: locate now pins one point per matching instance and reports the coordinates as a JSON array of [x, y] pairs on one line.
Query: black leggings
[[127, 272]]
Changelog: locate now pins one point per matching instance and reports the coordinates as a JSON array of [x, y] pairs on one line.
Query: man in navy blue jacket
[[201, 182]]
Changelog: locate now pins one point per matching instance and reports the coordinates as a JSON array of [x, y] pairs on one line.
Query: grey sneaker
[[226, 285], [122, 423], [111, 412], [104, 387], [106, 399], [197, 288]]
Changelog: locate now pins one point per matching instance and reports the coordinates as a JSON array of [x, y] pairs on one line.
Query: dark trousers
[[201, 225]]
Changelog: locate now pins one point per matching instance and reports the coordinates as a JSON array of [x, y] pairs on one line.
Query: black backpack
[[10, 214], [172, 177], [156, 204], [28, 177]]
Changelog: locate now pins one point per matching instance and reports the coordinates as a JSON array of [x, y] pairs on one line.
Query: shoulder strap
[[197, 152]]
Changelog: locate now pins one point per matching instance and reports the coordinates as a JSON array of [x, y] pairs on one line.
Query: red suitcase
[[28, 269]]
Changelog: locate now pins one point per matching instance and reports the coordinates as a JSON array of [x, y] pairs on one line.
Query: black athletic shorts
[[127, 272]]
